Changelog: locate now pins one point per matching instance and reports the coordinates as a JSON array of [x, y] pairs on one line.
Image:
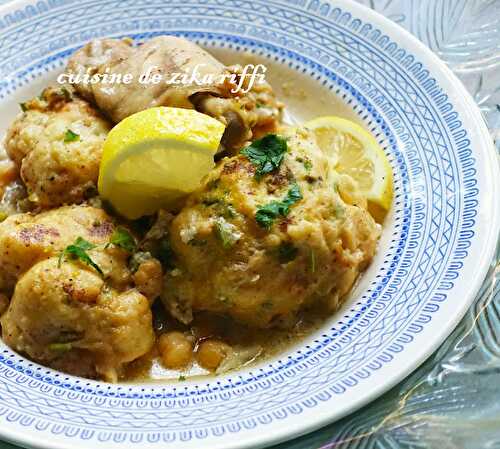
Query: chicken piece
[[64, 315], [26, 239], [229, 263], [57, 145], [162, 55], [244, 114], [97, 53]]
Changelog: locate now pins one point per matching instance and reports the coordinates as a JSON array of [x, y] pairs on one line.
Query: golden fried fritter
[[26, 239], [57, 145], [65, 315], [232, 257]]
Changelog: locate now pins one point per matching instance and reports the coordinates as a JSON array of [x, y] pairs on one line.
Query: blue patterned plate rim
[[448, 187]]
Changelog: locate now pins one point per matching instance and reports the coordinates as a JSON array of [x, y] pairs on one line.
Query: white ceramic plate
[[433, 255]]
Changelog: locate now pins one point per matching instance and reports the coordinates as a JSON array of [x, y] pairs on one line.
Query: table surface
[[453, 400]]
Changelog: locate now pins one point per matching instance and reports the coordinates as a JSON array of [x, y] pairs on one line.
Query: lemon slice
[[155, 157], [356, 153]]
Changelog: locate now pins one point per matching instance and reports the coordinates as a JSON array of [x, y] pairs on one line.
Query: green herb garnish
[[182, 378], [226, 233], [23, 107], [70, 136], [229, 211], [266, 215], [78, 251], [266, 153], [287, 252], [122, 239], [60, 347], [306, 162], [313, 261]]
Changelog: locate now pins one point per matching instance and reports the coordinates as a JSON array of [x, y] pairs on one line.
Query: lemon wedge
[[356, 153], [155, 157]]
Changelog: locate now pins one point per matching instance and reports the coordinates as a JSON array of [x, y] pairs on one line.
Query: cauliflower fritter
[[26, 239], [57, 145], [67, 317], [260, 249]]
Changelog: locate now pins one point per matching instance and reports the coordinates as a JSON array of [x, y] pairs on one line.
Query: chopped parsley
[[78, 251], [266, 215], [313, 261], [60, 347], [182, 378], [306, 162], [287, 252], [226, 233], [23, 107], [227, 210], [70, 136], [266, 154], [122, 239]]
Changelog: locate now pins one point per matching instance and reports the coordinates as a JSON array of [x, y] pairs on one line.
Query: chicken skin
[[246, 115], [260, 248], [57, 145]]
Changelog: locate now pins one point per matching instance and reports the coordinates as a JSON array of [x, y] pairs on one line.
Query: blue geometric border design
[[434, 225]]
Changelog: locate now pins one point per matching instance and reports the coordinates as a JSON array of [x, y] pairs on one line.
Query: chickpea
[[176, 350], [211, 353]]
